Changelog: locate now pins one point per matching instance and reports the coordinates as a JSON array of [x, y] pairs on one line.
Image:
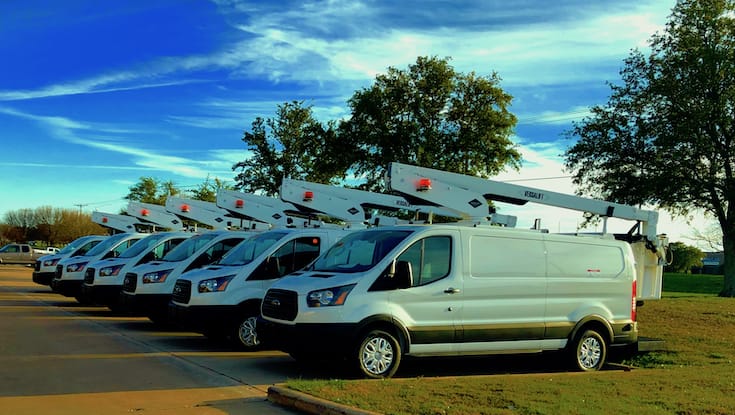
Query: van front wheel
[[589, 351], [378, 355], [246, 333]]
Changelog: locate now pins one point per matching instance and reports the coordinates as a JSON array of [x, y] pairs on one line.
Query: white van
[[45, 267], [69, 274], [147, 287], [103, 279], [414, 290], [223, 299]]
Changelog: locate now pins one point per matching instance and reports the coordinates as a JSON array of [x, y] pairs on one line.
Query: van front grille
[[182, 291], [130, 283], [280, 304], [89, 276]]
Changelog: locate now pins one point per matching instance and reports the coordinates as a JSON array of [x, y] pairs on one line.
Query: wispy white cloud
[[149, 159], [348, 41], [555, 117]]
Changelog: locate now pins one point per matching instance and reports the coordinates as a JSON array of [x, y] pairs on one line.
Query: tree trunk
[[728, 243]]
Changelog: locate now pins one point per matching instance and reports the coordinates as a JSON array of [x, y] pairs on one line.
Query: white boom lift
[[118, 223], [206, 213], [155, 216], [350, 205], [260, 210], [469, 195]]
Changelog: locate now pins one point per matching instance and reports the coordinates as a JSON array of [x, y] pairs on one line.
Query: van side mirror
[[273, 266], [402, 274]]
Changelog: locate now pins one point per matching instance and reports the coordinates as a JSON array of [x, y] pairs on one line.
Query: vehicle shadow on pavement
[[552, 362]]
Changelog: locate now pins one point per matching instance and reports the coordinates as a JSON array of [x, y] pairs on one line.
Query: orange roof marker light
[[308, 196], [239, 203], [145, 212], [423, 185], [185, 208]]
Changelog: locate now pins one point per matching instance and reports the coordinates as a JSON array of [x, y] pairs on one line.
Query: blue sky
[[95, 95]]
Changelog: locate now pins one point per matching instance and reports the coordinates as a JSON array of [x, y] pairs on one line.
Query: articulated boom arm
[[262, 209], [155, 215], [346, 204], [121, 223], [468, 194], [206, 213]]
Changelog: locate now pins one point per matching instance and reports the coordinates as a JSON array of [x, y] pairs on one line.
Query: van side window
[[123, 246], [291, 257], [429, 258]]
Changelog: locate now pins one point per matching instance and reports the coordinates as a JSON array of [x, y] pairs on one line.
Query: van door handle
[[451, 290]]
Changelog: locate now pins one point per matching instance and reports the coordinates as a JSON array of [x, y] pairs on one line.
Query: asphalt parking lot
[[58, 357]]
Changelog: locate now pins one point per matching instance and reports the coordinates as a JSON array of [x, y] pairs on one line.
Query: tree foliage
[[293, 145], [432, 116], [54, 226], [152, 190], [207, 191], [666, 136], [684, 257]]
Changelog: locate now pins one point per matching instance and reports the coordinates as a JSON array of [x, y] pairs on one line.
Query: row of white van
[[370, 296]]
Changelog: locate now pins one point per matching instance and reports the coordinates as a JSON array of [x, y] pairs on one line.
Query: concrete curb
[[310, 404]]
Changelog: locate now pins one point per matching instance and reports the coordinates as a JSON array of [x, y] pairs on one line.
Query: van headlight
[[51, 262], [76, 267], [329, 297], [111, 271], [156, 276], [215, 284]]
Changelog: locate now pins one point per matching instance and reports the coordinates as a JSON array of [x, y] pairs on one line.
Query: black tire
[[588, 351], [378, 355], [245, 333]]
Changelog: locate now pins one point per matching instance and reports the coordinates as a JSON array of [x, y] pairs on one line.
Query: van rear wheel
[[588, 351], [378, 355]]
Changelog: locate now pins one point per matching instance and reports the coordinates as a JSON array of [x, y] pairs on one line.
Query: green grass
[[694, 375], [692, 283]]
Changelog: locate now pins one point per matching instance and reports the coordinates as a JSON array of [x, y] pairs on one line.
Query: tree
[[292, 145], [151, 190], [22, 221], [53, 225], [666, 136], [207, 191], [684, 257], [430, 115]]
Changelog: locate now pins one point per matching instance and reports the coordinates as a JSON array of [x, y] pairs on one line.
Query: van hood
[[107, 262], [303, 282], [210, 271], [154, 266]]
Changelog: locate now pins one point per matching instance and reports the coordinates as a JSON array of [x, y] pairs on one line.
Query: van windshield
[[144, 245], [107, 244], [75, 244], [359, 251], [249, 249], [189, 247]]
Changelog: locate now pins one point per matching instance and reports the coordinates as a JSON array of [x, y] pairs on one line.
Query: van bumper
[[203, 318], [43, 278], [67, 288], [308, 339], [156, 304], [102, 294]]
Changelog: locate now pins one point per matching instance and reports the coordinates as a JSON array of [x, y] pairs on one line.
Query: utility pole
[[80, 207]]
